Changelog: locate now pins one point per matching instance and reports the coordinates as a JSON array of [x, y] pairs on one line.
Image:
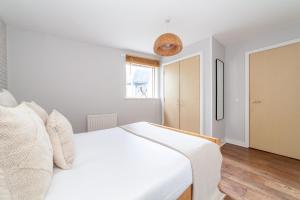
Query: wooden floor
[[258, 175]]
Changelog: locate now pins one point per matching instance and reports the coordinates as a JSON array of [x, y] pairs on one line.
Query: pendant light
[[167, 44]]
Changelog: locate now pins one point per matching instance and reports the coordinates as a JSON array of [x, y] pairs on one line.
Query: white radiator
[[103, 121]]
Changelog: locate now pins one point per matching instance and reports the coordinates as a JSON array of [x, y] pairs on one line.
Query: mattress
[[113, 164]]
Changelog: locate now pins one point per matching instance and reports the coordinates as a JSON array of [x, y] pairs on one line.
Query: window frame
[[155, 76]]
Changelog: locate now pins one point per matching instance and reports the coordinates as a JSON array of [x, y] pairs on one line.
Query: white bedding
[[205, 157], [113, 164]]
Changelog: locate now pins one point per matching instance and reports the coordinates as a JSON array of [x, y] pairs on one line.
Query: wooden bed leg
[[187, 194]]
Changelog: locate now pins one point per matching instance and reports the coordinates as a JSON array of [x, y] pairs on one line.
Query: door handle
[[256, 101]]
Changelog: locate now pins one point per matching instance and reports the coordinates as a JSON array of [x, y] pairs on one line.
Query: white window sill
[[138, 98]]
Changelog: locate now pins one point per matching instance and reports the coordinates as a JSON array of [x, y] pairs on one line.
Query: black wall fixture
[[219, 89]]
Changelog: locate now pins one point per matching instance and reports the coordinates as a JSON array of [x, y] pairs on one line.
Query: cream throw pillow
[[39, 110], [61, 136], [7, 99], [26, 157]]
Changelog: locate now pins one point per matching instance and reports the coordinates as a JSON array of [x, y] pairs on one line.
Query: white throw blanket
[[205, 180]]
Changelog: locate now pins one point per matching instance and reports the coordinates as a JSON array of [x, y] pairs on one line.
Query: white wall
[[218, 52], [3, 70], [73, 77], [79, 79], [203, 46], [235, 79]]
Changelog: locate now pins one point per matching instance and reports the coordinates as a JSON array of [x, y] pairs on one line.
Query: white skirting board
[[101, 121], [236, 142]]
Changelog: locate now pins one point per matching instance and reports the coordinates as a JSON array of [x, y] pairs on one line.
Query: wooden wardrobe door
[[171, 94], [190, 94], [275, 100]]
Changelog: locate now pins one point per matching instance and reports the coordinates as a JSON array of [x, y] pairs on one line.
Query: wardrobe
[[182, 94]]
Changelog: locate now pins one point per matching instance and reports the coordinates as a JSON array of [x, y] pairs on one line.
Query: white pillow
[[61, 136], [7, 99], [26, 163], [39, 110]]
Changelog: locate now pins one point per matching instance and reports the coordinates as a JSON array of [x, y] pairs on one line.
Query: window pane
[[140, 81]]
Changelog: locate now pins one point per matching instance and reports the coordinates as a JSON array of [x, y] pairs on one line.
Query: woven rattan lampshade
[[167, 44]]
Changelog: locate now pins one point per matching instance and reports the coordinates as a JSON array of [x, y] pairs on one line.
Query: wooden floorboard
[[257, 175]]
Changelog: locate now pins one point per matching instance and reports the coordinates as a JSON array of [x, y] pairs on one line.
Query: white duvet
[[205, 157], [113, 164]]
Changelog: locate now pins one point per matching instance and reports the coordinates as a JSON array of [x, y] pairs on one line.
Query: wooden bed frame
[[212, 139], [187, 194]]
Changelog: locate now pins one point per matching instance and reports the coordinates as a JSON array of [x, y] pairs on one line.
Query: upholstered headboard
[[3, 67]]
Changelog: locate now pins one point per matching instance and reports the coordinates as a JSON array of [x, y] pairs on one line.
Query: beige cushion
[[39, 110], [26, 157], [61, 136], [7, 99]]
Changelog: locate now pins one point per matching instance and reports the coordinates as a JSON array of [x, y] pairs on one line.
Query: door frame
[[247, 84], [201, 63]]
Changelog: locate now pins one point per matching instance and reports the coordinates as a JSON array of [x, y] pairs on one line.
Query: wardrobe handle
[[256, 102], [179, 103]]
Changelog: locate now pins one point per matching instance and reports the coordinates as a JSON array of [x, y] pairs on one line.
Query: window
[[141, 78]]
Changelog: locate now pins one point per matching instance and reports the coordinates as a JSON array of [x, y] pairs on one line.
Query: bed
[[116, 163]]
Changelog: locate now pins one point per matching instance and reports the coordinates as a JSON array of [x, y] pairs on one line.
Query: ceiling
[[135, 24]]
